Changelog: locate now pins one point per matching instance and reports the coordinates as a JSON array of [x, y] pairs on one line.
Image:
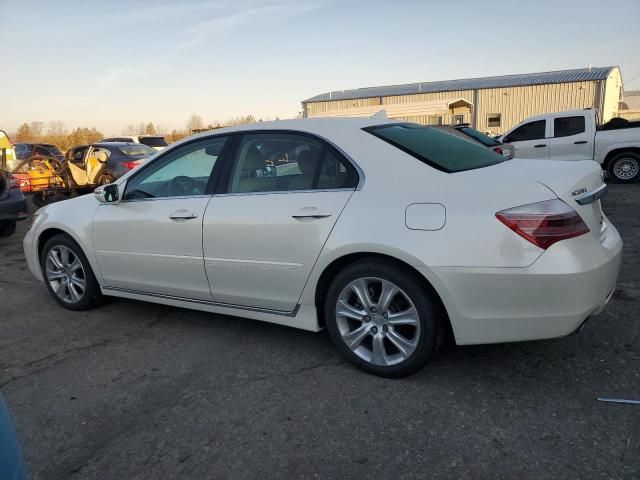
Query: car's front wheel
[[381, 318], [68, 275]]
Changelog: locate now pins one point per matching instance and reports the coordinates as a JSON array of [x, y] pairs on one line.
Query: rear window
[[154, 141], [567, 126], [136, 150], [436, 148], [486, 140]]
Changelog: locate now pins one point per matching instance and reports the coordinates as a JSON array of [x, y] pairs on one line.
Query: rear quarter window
[[438, 149]]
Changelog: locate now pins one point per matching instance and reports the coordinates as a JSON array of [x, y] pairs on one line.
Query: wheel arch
[[617, 150], [342, 262]]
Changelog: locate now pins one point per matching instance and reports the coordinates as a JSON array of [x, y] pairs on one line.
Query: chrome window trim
[[154, 199], [283, 192], [291, 313]]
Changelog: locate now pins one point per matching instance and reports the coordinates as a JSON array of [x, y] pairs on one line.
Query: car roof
[[113, 144], [320, 126]]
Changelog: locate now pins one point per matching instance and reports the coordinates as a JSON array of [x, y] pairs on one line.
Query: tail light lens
[[498, 150], [544, 223], [14, 182], [130, 165]]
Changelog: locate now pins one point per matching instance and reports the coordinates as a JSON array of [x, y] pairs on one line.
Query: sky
[[115, 63]]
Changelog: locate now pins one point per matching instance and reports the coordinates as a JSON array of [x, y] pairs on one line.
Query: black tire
[[40, 199], [429, 316], [105, 179], [7, 229], [91, 295], [624, 167]]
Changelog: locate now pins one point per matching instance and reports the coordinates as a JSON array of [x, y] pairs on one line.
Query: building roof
[[542, 78]]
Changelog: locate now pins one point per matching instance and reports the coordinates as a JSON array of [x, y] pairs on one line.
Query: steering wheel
[[181, 186]]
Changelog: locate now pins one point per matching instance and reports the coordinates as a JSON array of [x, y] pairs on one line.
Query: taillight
[[14, 182], [544, 223], [130, 165], [498, 150]]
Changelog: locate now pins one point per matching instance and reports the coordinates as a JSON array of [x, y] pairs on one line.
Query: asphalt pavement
[[136, 390]]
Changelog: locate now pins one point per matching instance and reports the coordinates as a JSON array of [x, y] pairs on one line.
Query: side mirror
[[107, 193]]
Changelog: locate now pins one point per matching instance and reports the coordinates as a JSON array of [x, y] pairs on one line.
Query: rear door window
[[436, 148], [567, 126]]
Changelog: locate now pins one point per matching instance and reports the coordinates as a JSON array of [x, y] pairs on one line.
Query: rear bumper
[[570, 282], [14, 207]]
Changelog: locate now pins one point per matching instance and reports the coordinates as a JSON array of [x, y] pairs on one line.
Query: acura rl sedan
[[387, 234]]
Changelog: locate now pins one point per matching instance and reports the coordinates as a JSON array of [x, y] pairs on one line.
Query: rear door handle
[[311, 212], [182, 214], [540, 145], [580, 142]]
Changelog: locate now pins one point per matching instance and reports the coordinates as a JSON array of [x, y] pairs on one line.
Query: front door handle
[[540, 145], [580, 142], [183, 214], [311, 212]]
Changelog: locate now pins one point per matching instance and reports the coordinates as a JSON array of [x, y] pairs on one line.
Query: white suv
[[154, 141]]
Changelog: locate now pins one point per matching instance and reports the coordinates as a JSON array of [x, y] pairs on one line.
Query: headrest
[[253, 160], [307, 161]]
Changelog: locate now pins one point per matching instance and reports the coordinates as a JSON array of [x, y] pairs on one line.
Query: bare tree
[[37, 128], [194, 122], [57, 129], [149, 129]]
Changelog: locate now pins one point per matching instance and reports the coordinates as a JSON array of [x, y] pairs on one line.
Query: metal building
[[490, 104], [630, 105]]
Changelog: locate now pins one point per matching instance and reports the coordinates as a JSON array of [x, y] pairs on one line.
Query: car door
[[283, 193], [151, 241], [77, 166], [570, 139], [529, 140]]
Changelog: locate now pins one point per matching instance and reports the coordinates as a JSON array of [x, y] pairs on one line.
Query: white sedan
[[388, 234]]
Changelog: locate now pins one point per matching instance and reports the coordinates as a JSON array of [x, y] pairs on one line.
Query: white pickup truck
[[575, 135]]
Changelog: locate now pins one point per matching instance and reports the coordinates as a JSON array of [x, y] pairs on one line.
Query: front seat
[[248, 179], [307, 163], [94, 164]]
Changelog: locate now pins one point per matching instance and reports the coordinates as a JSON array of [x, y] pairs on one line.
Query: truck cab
[[560, 136], [576, 135]]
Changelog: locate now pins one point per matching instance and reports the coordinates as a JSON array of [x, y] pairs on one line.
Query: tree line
[[57, 133]]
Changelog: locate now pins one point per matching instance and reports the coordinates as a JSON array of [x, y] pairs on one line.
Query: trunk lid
[[568, 180]]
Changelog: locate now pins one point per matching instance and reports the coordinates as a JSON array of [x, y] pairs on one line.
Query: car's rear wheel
[[381, 318], [624, 167], [68, 275]]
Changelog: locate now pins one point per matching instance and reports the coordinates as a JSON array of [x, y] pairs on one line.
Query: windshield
[[136, 150], [436, 148], [154, 141], [486, 140]]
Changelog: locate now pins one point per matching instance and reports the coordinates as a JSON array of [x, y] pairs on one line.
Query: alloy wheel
[[65, 274], [378, 321]]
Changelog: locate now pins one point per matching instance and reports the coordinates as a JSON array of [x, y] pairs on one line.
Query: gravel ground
[[136, 390]]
